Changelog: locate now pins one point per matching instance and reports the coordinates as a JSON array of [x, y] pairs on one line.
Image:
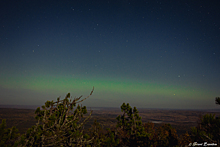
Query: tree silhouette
[[208, 128], [166, 136], [59, 125], [8, 136], [130, 127], [217, 100]]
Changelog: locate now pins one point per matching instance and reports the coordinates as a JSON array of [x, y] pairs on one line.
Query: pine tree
[[59, 124], [166, 136], [217, 100], [8, 136], [208, 128], [130, 127]]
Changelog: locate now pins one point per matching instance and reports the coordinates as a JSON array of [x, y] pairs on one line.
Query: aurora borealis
[[150, 54]]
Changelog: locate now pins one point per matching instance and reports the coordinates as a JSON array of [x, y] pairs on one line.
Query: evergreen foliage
[[8, 136], [166, 136], [130, 127], [59, 124], [185, 139], [217, 100], [208, 128]]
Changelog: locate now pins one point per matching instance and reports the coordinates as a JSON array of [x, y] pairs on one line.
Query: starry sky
[[150, 54]]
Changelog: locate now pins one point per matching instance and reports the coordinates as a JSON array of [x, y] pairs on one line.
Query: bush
[[207, 130], [59, 125], [8, 136]]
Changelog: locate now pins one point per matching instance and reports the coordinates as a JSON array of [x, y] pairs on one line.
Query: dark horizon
[[34, 107]]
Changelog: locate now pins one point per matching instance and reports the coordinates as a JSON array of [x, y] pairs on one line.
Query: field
[[181, 120]]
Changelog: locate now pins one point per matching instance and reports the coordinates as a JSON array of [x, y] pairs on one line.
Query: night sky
[[150, 54]]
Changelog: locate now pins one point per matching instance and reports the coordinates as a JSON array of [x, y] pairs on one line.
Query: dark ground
[[181, 120]]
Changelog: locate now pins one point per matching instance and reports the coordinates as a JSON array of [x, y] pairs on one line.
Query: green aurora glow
[[62, 84]]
